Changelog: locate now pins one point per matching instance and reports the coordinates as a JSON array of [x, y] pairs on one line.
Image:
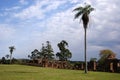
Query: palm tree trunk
[[10, 58], [85, 49]]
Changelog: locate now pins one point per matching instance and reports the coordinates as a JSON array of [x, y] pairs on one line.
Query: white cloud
[[103, 31], [12, 8], [75, 1], [6, 32], [54, 5], [62, 26], [104, 27], [39, 9], [7, 35], [24, 2], [31, 12]]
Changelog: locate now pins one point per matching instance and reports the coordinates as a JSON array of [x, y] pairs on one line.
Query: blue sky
[[26, 24]]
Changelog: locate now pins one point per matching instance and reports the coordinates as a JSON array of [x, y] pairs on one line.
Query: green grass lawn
[[22, 72]]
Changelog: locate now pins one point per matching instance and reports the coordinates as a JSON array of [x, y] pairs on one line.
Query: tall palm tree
[[12, 48], [84, 13]]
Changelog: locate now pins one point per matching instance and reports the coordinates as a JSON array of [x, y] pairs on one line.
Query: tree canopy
[[64, 53], [84, 13], [106, 54], [46, 52], [12, 48]]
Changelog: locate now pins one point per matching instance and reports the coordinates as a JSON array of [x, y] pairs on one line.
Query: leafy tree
[[106, 54], [34, 54], [49, 51], [7, 56], [12, 48], [29, 56], [3, 60], [93, 59], [46, 52], [43, 51], [84, 13], [64, 53]]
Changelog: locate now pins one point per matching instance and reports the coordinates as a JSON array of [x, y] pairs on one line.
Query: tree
[[3, 60], [49, 51], [93, 59], [43, 51], [12, 48], [84, 13], [7, 56], [46, 52], [34, 54], [106, 54], [64, 53]]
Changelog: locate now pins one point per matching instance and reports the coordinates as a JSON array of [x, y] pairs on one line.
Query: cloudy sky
[[26, 24]]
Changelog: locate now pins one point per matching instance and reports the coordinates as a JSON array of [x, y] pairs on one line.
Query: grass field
[[22, 72]]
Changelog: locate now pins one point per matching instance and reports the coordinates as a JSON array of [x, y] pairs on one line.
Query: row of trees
[[46, 52]]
